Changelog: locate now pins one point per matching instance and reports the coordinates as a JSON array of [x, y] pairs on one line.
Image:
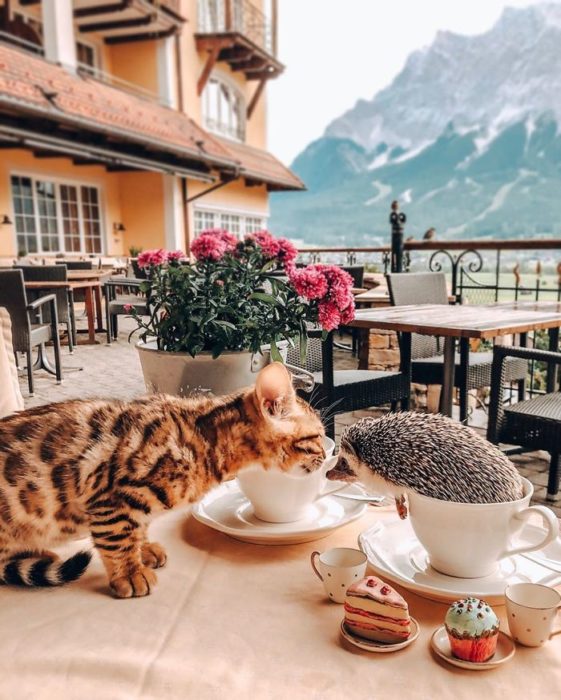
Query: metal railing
[[241, 16], [116, 82]]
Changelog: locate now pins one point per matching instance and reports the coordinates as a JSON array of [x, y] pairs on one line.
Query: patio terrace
[[114, 372]]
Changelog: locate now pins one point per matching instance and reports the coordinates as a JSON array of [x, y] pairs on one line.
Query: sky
[[337, 51]]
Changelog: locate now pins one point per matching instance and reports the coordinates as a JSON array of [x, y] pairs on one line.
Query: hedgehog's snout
[[342, 471]]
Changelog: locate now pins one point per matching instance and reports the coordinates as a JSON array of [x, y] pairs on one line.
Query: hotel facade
[[134, 123]]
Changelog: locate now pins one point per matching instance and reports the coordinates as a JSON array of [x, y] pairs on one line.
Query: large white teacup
[[469, 539], [283, 497]]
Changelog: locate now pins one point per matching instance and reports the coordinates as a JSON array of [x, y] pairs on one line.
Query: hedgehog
[[428, 454]]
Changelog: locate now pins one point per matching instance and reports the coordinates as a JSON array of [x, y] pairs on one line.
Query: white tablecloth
[[231, 620]]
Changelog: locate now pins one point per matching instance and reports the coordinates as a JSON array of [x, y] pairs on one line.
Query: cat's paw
[[153, 555], [137, 584]]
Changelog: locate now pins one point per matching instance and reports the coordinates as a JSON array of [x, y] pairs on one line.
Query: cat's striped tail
[[42, 568]]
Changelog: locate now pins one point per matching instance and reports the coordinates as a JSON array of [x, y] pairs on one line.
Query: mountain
[[466, 137]]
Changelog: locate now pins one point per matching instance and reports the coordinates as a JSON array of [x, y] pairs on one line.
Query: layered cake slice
[[376, 611]]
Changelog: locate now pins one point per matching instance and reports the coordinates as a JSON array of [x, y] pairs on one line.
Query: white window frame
[[97, 67], [219, 126], [58, 182], [217, 212]]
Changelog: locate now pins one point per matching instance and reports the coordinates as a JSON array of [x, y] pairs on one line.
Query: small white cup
[[338, 569], [284, 497], [531, 609]]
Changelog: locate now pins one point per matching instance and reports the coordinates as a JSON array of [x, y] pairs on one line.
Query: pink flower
[[308, 282], [287, 251], [225, 236], [328, 315], [208, 247], [128, 308], [269, 245], [152, 258], [175, 255], [348, 314]]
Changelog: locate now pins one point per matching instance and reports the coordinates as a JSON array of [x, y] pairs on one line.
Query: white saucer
[[379, 647], [395, 553], [441, 646], [227, 510]]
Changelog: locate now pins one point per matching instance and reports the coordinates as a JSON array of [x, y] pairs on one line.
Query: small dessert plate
[[379, 647], [441, 647]]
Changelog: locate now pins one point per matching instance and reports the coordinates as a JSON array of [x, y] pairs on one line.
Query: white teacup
[[531, 610], [283, 497], [338, 569], [469, 539]]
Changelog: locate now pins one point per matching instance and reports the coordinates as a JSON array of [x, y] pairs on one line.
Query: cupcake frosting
[[471, 617]]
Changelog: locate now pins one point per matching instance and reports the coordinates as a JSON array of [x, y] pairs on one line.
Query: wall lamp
[[6, 221], [118, 227]]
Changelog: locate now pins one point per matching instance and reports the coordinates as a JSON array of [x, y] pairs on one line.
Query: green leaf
[[267, 298], [226, 324], [275, 354], [303, 347]]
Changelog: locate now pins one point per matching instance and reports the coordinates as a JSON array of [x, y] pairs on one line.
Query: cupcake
[[473, 629]]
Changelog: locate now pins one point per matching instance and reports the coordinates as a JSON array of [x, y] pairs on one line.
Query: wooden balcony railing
[[237, 16]]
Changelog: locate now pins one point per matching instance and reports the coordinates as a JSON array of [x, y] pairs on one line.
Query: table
[[464, 322], [236, 621], [92, 288]]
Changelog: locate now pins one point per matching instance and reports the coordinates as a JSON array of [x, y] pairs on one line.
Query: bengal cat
[[106, 467]]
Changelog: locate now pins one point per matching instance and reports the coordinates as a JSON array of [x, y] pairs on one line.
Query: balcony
[[128, 20], [237, 32]]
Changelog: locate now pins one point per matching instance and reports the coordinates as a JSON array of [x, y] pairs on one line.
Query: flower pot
[[182, 375]]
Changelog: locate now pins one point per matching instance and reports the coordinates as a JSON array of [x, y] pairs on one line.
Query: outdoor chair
[[427, 352], [357, 273], [76, 264], [64, 297], [534, 423], [28, 329], [341, 391], [116, 300]]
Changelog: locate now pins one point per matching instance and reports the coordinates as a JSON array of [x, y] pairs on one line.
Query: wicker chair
[[64, 297], [76, 264], [28, 330], [341, 391], [115, 302], [427, 351], [534, 423]]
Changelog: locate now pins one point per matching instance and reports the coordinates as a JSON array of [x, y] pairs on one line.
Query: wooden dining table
[[462, 323]]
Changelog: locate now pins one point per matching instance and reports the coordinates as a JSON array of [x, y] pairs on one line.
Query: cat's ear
[[275, 394]]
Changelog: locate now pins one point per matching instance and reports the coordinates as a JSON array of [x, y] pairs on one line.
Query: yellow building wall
[[135, 200], [136, 63], [142, 207]]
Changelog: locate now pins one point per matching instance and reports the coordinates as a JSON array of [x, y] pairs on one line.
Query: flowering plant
[[238, 295]]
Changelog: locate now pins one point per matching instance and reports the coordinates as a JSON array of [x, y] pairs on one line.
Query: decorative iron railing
[[241, 16]]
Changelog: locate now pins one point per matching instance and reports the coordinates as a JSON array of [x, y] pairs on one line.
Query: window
[[237, 224], [87, 57], [54, 217], [224, 109]]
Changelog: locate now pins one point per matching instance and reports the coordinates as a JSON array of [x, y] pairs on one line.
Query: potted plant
[[216, 320]]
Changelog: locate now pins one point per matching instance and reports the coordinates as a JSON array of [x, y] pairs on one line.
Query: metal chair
[[427, 351], [28, 329], [341, 391], [115, 302], [534, 423], [64, 297]]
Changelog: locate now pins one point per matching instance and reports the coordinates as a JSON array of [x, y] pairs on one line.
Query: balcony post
[[167, 72], [397, 220], [228, 15], [58, 32], [274, 26]]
